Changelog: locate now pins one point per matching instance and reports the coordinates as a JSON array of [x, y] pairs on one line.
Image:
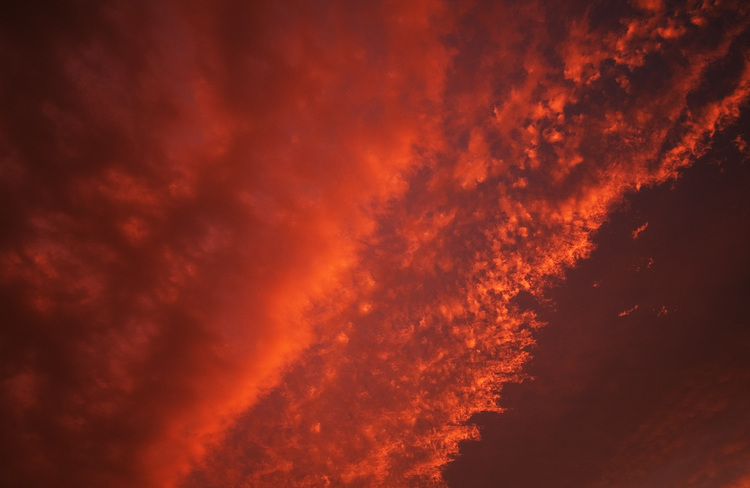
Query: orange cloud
[[191, 201], [272, 244], [638, 231], [439, 340]]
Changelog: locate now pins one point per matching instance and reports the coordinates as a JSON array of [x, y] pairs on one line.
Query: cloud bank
[[287, 244]]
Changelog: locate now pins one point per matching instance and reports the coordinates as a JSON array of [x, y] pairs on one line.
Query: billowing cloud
[[286, 244], [178, 191]]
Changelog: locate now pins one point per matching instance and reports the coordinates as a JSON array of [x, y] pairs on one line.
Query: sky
[[375, 244]]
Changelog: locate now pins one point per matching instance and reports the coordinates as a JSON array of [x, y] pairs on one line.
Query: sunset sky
[[388, 244]]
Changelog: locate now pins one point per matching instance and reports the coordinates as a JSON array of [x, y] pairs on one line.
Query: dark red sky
[[382, 244], [655, 397]]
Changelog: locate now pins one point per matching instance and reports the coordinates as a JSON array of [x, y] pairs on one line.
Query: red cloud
[[291, 235]]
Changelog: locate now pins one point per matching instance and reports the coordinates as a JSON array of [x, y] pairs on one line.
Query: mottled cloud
[[653, 398], [284, 244], [532, 162]]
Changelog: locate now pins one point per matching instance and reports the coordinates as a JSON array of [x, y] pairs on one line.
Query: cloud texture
[[288, 244]]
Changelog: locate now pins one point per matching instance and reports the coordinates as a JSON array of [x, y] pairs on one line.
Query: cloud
[[638, 231], [440, 334], [654, 399], [283, 242], [177, 199]]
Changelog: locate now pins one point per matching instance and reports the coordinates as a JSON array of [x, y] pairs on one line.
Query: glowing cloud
[[263, 244]]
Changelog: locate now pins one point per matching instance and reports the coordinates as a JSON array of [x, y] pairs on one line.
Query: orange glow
[[638, 231], [283, 244]]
